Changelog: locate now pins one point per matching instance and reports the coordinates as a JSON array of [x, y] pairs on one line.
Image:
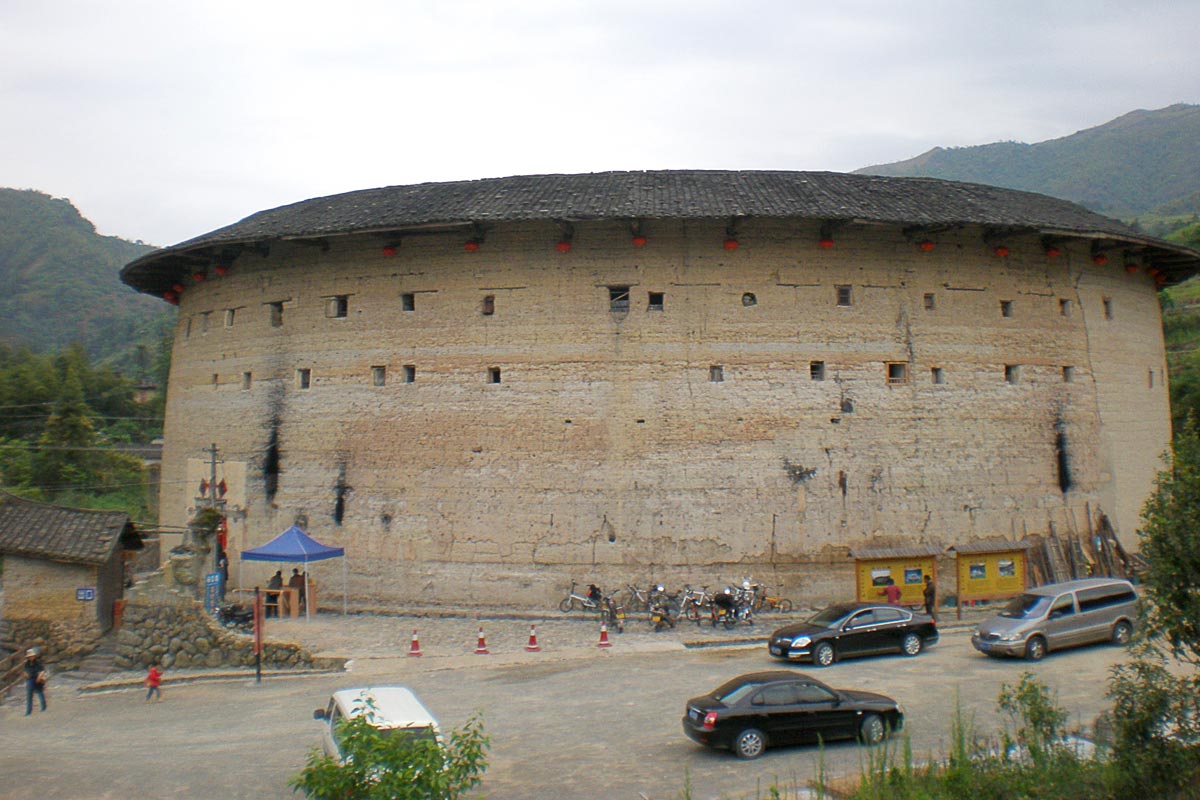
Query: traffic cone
[[415, 650], [532, 647], [481, 646], [604, 642]]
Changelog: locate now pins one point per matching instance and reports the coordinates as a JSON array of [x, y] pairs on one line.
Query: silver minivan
[[1060, 615]]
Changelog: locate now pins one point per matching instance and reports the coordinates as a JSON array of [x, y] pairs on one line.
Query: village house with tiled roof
[[62, 573]]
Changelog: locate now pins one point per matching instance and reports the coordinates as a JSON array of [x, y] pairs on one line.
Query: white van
[[1060, 615], [388, 708]]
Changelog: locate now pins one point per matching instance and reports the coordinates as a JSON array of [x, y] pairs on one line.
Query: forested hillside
[[1145, 164], [61, 285]]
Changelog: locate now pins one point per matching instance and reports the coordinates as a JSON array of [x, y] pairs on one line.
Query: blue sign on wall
[[85, 595], [212, 591]]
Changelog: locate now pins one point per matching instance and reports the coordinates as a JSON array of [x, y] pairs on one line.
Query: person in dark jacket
[[35, 679], [930, 594]]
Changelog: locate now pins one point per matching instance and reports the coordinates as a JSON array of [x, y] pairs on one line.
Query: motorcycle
[[236, 617], [660, 616]]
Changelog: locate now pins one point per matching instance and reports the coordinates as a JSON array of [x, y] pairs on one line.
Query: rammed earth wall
[[484, 425]]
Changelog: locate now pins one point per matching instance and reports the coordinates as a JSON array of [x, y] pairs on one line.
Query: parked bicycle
[[638, 600], [770, 602], [695, 604], [612, 613], [586, 602]]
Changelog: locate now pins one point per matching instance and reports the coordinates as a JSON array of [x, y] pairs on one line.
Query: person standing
[[930, 594], [272, 598], [153, 679], [892, 592], [35, 679], [297, 582]]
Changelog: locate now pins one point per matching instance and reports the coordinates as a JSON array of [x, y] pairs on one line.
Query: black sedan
[[854, 629], [752, 712]]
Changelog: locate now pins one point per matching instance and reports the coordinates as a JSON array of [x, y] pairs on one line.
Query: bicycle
[[638, 600], [773, 603], [589, 602], [694, 604], [612, 612]]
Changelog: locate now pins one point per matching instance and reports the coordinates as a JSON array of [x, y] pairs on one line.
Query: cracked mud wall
[[607, 451]]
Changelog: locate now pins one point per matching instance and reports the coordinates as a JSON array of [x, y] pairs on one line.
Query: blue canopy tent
[[294, 545]]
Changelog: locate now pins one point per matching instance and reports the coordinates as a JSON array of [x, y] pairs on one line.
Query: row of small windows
[[338, 306], [896, 372]]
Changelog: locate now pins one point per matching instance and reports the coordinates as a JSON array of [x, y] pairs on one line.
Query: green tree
[[379, 764], [1156, 709]]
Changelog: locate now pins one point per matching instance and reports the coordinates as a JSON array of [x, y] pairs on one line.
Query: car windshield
[[830, 617], [734, 691], [1025, 606]]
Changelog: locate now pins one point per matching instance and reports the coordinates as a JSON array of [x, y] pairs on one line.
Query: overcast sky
[[165, 119]]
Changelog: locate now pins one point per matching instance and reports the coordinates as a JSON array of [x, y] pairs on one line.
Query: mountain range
[[1144, 163]]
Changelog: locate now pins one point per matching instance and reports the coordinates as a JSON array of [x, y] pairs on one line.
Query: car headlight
[[1009, 637], [801, 641]]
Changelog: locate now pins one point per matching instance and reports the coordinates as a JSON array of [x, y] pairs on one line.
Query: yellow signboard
[[991, 576], [873, 574]]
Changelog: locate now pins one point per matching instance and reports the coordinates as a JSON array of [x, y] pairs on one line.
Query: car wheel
[[872, 730], [1035, 649], [566, 605], [911, 644], [749, 743], [1121, 633], [823, 654]]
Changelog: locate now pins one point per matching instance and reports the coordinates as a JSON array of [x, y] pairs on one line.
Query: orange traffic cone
[[532, 647], [415, 650], [481, 646], [604, 642]]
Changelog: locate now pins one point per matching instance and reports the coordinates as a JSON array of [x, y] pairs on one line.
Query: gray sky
[[164, 119]]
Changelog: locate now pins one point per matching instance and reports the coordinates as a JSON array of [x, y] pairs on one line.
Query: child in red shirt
[[153, 679]]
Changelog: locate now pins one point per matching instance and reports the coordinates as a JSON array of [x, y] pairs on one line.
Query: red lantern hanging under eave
[[925, 246], [563, 247], [221, 269], [1053, 252], [731, 243], [1100, 258], [171, 298], [825, 243], [471, 247], [198, 276], [1152, 272], [177, 288], [1133, 268], [640, 241], [1000, 251], [390, 250]]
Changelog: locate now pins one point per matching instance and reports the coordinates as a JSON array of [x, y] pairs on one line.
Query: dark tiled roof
[[990, 546], [55, 533], [682, 194], [912, 551]]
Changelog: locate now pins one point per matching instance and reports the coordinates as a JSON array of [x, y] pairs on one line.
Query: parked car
[[392, 709], [854, 629], [765, 709], [1060, 615]]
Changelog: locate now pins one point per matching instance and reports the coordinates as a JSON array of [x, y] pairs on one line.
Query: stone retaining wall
[[180, 635]]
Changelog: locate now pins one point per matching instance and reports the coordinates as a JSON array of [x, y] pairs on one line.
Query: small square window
[[276, 314], [1064, 307], [410, 373], [716, 373], [618, 298], [1012, 373], [379, 376], [337, 307], [1006, 308], [1150, 378], [216, 380], [247, 380], [303, 378], [408, 302], [493, 374], [489, 304], [204, 321], [816, 370], [230, 313], [1068, 374], [1108, 308], [897, 372], [937, 375], [930, 301], [655, 302], [843, 295], [749, 299]]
